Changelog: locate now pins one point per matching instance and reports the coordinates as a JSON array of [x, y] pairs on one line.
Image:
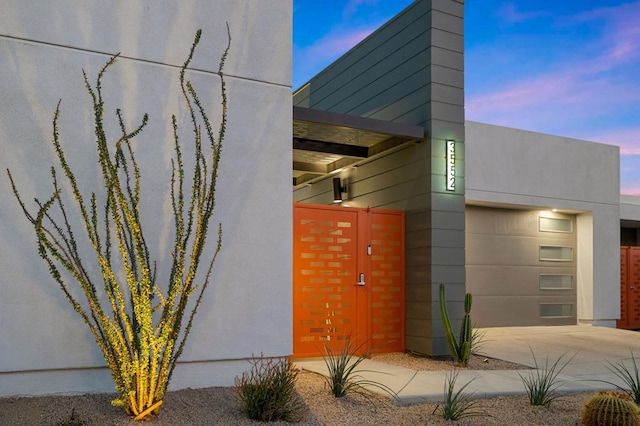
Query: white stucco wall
[[44, 346], [511, 167]]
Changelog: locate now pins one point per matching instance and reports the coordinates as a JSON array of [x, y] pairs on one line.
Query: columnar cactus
[[608, 408], [460, 350]]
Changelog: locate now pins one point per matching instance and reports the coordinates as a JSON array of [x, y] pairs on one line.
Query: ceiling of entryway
[[324, 142]]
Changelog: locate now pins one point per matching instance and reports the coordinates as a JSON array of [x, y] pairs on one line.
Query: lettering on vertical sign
[[451, 165]]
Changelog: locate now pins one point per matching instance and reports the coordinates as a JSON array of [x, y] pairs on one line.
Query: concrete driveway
[[592, 349]]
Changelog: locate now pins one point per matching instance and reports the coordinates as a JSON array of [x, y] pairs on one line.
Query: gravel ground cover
[[219, 406]]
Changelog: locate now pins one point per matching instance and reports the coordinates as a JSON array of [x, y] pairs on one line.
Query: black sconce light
[[338, 190]]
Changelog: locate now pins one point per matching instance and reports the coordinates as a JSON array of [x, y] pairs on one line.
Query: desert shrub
[[138, 323], [608, 408], [541, 383], [267, 391], [343, 377], [629, 376], [458, 404]]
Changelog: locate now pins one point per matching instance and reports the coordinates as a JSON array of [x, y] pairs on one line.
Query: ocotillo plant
[[460, 349], [139, 324]]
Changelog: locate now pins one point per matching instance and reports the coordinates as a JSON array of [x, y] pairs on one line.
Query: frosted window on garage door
[[556, 282], [556, 253], [556, 310], [551, 224]]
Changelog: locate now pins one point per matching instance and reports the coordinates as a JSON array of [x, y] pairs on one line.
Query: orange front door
[[629, 288], [348, 279]]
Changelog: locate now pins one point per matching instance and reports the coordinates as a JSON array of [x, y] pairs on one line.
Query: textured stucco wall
[[520, 168], [44, 346]]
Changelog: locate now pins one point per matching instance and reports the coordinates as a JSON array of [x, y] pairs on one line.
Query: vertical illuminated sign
[[451, 165]]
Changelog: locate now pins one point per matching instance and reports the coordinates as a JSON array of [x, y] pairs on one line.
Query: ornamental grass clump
[[541, 384], [458, 404], [137, 323], [267, 391], [343, 377], [630, 376]]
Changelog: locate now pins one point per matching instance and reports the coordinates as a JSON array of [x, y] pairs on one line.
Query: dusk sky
[[564, 67]]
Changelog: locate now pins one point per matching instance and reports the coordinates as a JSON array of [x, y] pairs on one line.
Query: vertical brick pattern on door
[[387, 281], [624, 279], [633, 289], [324, 279]]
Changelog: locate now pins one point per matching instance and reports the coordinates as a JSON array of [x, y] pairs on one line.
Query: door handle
[[361, 282]]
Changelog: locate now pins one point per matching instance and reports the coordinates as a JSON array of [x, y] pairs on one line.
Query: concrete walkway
[[591, 347]]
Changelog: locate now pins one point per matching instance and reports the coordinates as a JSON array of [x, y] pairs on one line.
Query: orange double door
[[629, 288], [348, 279]]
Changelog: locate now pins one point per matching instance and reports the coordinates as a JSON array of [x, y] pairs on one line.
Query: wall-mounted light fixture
[[338, 190], [451, 165]]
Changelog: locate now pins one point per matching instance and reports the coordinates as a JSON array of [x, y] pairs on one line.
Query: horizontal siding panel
[[362, 66], [408, 156], [415, 18], [447, 58], [447, 40], [447, 94], [404, 191], [398, 82], [447, 22], [397, 104], [452, 7], [447, 76], [375, 75], [445, 130]]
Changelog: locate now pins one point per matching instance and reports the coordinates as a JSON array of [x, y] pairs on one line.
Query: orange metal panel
[[633, 289], [624, 279], [387, 280], [324, 279], [331, 251]]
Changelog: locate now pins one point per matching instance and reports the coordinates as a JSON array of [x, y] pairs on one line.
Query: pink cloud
[[333, 45], [509, 13], [569, 91], [627, 139], [352, 6]]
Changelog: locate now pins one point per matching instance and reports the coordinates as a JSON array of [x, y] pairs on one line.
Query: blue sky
[[565, 67]]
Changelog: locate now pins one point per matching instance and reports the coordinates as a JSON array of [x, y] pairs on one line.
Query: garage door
[[521, 267]]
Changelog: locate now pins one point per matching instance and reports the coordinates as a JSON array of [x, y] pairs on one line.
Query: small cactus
[[460, 350], [607, 408]]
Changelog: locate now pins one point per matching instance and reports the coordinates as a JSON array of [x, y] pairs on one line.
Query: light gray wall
[[630, 207], [410, 71], [44, 346], [509, 167]]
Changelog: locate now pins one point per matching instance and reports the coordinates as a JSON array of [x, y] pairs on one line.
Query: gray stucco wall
[[509, 167], [44, 346], [410, 71]]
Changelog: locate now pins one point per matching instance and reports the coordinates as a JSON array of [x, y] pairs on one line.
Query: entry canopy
[[324, 142]]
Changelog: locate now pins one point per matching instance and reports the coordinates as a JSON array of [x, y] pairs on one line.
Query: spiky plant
[[458, 404], [138, 325], [541, 384], [608, 408], [267, 391], [460, 349]]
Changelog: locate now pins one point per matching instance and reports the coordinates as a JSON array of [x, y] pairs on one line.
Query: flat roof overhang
[[324, 142]]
